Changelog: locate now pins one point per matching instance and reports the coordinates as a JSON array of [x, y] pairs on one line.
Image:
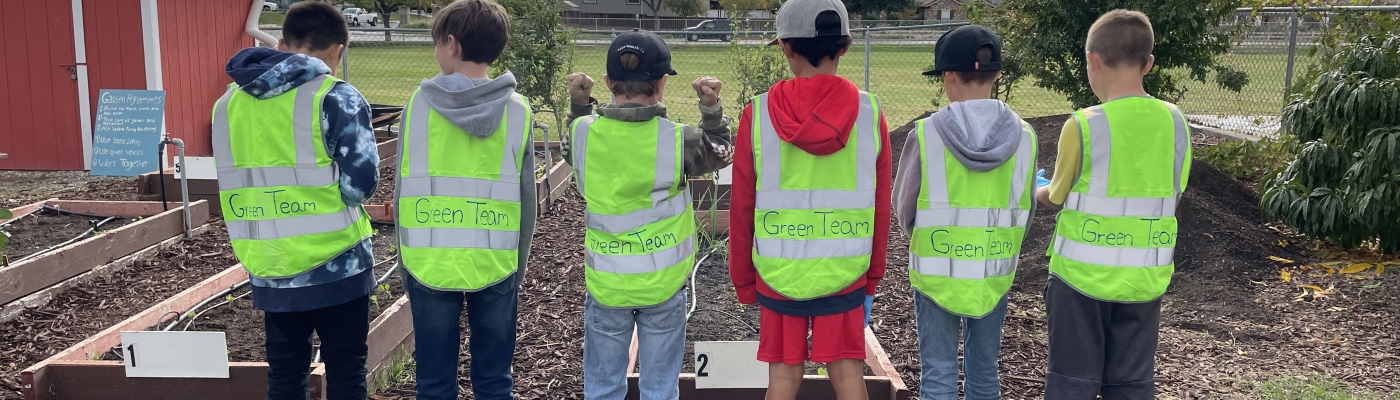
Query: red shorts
[[783, 338]]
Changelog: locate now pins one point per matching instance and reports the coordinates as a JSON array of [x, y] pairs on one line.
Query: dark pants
[[1099, 347], [342, 330], [437, 332]]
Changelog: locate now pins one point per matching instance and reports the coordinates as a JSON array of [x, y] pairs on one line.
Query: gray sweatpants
[[1099, 347]]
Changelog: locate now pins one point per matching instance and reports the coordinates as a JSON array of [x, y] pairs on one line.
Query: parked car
[[720, 29], [269, 6], [358, 16]]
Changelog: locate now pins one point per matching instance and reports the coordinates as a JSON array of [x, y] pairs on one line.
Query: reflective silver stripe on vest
[[809, 199], [460, 238], [942, 213], [813, 248], [972, 218], [620, 224], [965, 269], [418, 142], [640, 263], [580, 139], [305, 174], [1097, 201], [269, 229], [460, 187]]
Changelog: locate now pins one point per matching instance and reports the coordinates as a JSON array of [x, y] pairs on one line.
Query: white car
[[358, 16], [269, 6]]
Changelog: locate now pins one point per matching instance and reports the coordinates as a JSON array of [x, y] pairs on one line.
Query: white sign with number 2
[[729, 365]]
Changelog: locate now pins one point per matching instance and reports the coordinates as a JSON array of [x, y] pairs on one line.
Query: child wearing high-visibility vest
[[289, 132], [631, 164], [966, 219], [1121, 169], [810, 207], [465, 205]]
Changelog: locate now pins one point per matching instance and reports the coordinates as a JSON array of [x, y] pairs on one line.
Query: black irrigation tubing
[[182, 316], [95, 226], [21, 216]]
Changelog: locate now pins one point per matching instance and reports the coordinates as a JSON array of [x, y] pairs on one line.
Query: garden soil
[[86, 309], [45, 229]]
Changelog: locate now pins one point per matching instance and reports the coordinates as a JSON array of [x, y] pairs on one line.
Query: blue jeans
[[660, 348], [437, 331], [938, 351]]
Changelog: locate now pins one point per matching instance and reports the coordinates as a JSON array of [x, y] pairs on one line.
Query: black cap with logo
[[957, 50], [650, 49]]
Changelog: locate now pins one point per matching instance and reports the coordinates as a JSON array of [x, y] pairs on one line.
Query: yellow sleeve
[[1067, 162]]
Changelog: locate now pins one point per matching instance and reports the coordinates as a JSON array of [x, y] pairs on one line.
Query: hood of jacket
[[815, 114], [265, 73], [476, 105], [982, 134]]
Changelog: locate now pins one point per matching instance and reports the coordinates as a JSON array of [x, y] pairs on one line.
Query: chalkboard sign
[[127, 131]]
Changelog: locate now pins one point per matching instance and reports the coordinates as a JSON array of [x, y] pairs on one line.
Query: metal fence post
[[867, 58], [345, 64], [1292, 52]]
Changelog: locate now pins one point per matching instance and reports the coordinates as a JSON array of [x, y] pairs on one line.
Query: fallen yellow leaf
[[1336, 309], [1355, 268], [1281, 259], [1284, 275], [1330, 269], [1280, 243], [1311, 287], [1380, 269]]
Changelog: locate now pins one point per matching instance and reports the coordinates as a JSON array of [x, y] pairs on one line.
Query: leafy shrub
[[757, 67], [1344, 183], [1249, 161], [417, 25], [540, 54]]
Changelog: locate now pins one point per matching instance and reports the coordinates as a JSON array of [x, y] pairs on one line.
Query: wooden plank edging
[[103, 380], [17, 211], [21, 279], [390, 340]]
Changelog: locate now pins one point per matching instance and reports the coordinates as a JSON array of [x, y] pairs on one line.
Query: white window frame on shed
[[945, 14]]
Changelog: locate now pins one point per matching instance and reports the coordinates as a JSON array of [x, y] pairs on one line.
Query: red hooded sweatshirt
[[815, 114]]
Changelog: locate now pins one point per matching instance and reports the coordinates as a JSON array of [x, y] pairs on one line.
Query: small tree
[[1049, 38], [540, 54], [687, 8], [757, 67], [1343, 185]]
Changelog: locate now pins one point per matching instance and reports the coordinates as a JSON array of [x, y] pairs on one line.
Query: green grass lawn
[[387, 73], [272, 17]]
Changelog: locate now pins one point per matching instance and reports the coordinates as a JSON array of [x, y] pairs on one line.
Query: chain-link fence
[[386, 65]]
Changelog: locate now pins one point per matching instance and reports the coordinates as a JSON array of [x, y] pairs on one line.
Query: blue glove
[[869, 302], [1040, 180]]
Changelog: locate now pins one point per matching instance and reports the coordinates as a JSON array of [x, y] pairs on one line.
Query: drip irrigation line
[[216, 305], [730, 315], [21, 216], [230, 289], [82, 214], [380, 280], [161, 320], [82, 236], [693, 301]]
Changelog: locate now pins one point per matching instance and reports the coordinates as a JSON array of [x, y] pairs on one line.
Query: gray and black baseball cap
[[797, 19]]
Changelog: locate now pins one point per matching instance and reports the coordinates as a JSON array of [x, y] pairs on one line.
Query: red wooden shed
[[58, 54]]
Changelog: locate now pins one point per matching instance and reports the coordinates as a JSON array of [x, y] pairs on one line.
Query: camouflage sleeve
[[708, 147], [566, 133]]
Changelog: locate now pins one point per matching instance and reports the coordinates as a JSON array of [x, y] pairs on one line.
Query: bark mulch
[[86, 309], [18, 188], [1228, 321]]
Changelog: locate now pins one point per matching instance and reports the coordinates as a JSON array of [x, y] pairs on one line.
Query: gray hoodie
[[477, 106], [982, 134]]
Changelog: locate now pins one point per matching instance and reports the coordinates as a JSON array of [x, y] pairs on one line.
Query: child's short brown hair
[[984, 56], [1121, 36], [630, 62], [314, 25], [481, 27]]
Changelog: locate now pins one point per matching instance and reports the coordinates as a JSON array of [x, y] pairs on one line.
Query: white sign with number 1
[[729, 365], [175, 354]]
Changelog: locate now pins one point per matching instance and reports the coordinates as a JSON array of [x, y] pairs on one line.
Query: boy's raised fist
[[580, 87], [707, 87]]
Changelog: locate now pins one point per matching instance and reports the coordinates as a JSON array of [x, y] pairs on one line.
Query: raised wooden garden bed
[[72, 374], [151, 224]]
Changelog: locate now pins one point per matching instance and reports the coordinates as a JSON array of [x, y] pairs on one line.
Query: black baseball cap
[[655, 57], [957, 50]]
